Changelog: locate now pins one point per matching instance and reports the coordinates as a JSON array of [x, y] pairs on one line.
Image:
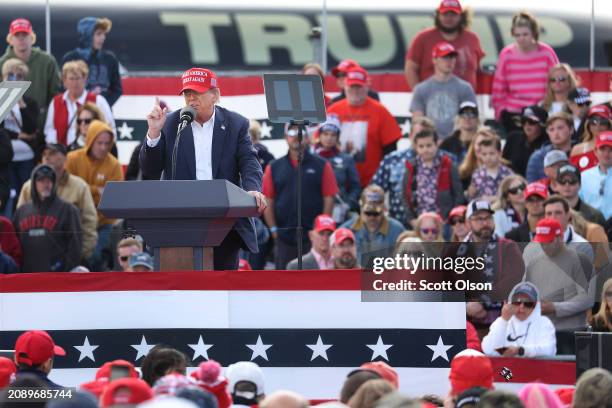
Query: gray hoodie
[[49, 230]]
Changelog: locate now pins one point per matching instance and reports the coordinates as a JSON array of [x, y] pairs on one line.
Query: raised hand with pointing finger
[[156, 120]]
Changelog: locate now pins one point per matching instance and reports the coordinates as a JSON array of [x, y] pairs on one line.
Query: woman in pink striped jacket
[[522, 71]]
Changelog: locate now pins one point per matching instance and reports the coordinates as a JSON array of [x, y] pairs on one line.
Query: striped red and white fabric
[[307, 329]]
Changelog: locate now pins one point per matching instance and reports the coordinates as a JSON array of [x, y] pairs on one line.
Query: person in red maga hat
[[215, 145]]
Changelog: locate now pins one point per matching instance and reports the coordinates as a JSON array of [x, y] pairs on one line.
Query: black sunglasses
[[124, 258], [515, 190], [457, 220], [372, 213], [567, 182], [560, 78], [530, 122], [468, 114], [528, 305], [85, 121], [599, 121]]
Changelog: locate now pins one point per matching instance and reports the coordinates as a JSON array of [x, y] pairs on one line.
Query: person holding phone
[[521, 330]]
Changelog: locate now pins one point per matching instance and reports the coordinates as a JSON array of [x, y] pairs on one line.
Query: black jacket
[[6, 156], [520, 233], [517, 150]]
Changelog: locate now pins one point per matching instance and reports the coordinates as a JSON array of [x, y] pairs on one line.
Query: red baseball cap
[[341, 235], [324, 222], [344, 66], [470, 368], [600, 110], [7, 370], [35, 347], [198, 79], [536, 188], [458, 211], [356, 76], [547, 229], [384, 370], [20, 25], [604, 139], [450, 5], [442, 49], [106, 369], [126, 391]]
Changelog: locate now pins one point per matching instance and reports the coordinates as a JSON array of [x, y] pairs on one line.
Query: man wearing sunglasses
[[567, 184], [503, 266], [373, 229], [558, 272], [596, 186], [125, 249], [521, 330], [339, 72]]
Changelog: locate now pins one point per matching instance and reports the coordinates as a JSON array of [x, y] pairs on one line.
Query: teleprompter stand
[[297, 100]]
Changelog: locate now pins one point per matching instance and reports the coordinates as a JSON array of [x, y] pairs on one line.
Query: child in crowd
[[488, 176], [431, 181]]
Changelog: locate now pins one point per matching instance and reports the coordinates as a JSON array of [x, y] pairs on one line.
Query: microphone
[[186, 117]]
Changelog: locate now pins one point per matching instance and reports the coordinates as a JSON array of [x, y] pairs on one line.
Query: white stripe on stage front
[[219, 309]]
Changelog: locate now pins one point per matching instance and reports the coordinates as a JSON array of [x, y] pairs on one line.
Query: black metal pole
[[299, 198]]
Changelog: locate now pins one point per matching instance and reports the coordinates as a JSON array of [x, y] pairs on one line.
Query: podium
[[183, 220], [593, 350]]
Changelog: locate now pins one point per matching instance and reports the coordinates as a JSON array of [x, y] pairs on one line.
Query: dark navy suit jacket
[[233, 159]]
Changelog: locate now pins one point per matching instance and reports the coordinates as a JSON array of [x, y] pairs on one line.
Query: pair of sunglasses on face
[[517, 189], [527, 304], [457, 220]]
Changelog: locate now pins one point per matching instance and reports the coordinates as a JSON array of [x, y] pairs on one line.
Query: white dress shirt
[[51, 132], [202, 144]]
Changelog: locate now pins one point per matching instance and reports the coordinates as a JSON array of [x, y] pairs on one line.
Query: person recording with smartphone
[[204, 141], [521, 330]]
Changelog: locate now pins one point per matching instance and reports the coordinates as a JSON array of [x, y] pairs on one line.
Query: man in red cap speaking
[[216, 145], [34, 353]]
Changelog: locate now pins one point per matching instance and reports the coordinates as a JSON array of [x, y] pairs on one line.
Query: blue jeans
[[99, 261]]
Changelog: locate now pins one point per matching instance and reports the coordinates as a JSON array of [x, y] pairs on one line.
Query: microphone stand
[[299, 230], [177, 141]]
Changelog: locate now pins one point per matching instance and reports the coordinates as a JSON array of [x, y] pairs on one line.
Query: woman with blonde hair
[[429, 227], [602, 320], [561, 80], [510, 204], [408, 243]]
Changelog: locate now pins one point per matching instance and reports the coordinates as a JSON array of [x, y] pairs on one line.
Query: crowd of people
[[163, 381], [530, 193]]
